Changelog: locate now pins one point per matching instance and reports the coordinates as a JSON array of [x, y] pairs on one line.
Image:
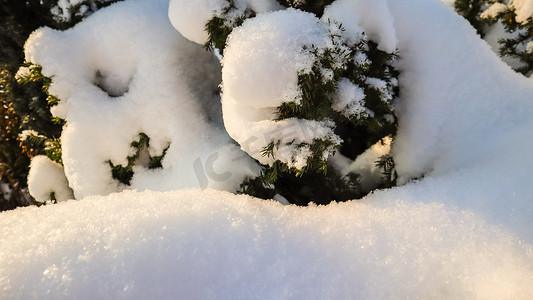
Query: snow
[[348, 99], [462, 230], [523, 10], [47, 177], [446, 119], [365, 165], [344, 13], [112, 70], [190, 17], [529, 47], [193, 244], [463, 128], [373, 16], [63, 10], [494, 34], [5, 191], [494, 10], [450, 3], [256, 50]]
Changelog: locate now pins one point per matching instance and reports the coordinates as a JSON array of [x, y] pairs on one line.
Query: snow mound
[[464, 116], [47, 177], [191, 244], [120, 76]]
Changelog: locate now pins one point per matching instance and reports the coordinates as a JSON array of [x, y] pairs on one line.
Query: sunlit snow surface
[[462, 231], [191, 244]]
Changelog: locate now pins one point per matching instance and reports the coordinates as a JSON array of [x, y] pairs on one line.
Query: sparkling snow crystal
[[191, 244]]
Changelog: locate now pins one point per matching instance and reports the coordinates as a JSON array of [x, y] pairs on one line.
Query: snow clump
[[261, 64], [67, 10], [190, 17], [523, 10], [47, 181]]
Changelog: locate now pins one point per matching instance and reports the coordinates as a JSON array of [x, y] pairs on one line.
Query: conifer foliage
[[517, 21], [471, 10], [306, 93], [334, 102]]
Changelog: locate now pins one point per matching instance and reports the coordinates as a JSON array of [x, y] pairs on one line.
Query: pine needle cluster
[[141, 157]]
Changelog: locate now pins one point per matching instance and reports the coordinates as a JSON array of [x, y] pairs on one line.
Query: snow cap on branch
[[190, 17]]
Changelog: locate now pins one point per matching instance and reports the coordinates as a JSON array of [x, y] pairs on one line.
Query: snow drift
[[191, 244]]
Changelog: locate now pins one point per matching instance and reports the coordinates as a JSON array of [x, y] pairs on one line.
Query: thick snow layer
[[465, 104], [119, 76], [464, 118], [191, 244]]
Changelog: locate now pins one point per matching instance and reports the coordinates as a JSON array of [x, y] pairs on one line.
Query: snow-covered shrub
[[298, 89], [120, 118], [517, 19]]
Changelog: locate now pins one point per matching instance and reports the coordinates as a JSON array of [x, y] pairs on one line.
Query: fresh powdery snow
[[193, 244], [460, 226]]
